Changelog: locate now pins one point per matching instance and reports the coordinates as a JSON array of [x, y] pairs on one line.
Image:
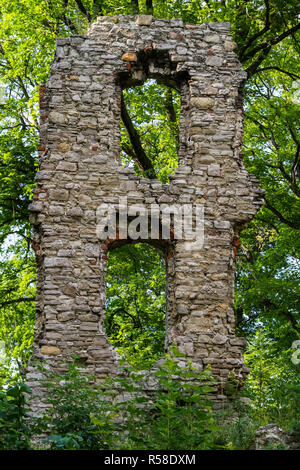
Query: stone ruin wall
[[80, 168]]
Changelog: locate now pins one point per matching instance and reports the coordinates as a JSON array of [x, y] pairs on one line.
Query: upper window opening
[[150, 129]]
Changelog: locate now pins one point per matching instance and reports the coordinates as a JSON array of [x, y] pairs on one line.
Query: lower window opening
[[136, 303]]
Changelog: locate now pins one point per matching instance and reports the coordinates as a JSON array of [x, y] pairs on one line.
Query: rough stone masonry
[[80, 168]]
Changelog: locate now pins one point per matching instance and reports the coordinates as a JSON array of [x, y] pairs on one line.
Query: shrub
[[175, 413], [14, 427]]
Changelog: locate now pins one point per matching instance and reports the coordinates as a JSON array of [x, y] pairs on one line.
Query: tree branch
[[291, 320], [290, 74], [135, 320], [292, 178], [253, 67], [169, 105], [97, 6], [295, 171], [135, 140]]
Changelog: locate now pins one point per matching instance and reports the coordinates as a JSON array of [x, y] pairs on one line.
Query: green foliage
[[167, 408], [268, 265], [268, 280], [117, 414], [236, 426], [273, 383], [14, 429], [176, 414]]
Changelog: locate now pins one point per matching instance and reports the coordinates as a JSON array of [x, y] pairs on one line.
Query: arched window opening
[[136, 303], [150, 129]]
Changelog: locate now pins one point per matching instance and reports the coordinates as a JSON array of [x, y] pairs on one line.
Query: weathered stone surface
[[57, 118], [58, 195], [222, 224], [80, 170], [67, 166], [35, 206], [182, 309], [56, 262], [202, 103], [214, 61], [230, 45], [212, 38], [75, 212], [213, 170], [64, 146], [219, 339], [69, 290], [273, 437], [56, 210]]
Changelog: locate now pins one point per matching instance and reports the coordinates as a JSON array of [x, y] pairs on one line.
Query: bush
[[73, 398], [273, 383], [14, 427], [174, 413]]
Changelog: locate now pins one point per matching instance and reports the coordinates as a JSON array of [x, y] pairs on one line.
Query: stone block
[[50, 351], [213, 170], [144, 20], [214, 61]]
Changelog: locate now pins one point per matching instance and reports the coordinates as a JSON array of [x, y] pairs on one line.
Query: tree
[[266, 33], [151, 137], [17, 312]]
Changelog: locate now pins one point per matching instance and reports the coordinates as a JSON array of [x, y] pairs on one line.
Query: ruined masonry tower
[[80, 169]]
